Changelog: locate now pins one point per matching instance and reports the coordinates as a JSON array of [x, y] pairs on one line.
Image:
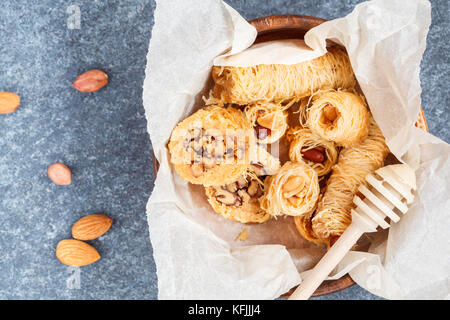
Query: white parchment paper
[[195, 250]]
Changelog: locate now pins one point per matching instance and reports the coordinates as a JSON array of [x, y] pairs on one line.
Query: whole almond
[[9, 102], [91, 227], [91, 81], [76, 253], [60, 174]]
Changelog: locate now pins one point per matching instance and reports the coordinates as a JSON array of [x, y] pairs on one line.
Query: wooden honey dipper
[[387, 191]]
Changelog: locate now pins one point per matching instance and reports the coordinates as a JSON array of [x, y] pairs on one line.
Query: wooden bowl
[[294, 27]]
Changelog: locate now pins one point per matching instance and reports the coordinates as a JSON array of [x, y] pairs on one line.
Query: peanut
[[9, 102], [197, 169], [60, 174], [262, 132], [291, 184], [91, 81], [313, 155], [266, 121], [330, 113], [295, 201]]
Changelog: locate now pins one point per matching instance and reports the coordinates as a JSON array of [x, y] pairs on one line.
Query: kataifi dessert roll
[[339, 116], [293, 190], [333, 214], [270, 121], [318, 153], [280, 82]]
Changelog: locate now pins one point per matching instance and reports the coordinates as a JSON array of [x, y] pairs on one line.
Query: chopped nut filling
[[207, 148], [238, 193]]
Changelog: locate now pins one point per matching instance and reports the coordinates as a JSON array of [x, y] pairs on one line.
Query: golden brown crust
[[293, 191], [350, 117], [269, 121], [278, 82], [333, 215], [206, 127], [304, 226], [242, 206], [302, 139]]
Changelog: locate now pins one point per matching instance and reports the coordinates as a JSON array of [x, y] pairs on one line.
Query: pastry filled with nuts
[[333, 214], [293, 191], [269, 121], [332, 144], [304, 226], [339, 116], [238, 200], [212, 146], [305, 146], [280, 82], [262, 163]]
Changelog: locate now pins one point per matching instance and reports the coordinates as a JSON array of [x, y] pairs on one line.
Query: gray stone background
[[102, 137]]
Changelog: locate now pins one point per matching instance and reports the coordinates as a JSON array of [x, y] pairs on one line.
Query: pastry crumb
[[242, 236]]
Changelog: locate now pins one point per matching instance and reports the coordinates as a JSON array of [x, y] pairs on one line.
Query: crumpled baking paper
[[196, 251]]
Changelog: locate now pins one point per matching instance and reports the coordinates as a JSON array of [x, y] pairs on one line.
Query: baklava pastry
[[333, 215], [279, 82], [304, 226], [269, 121], [262, 163], [293, 191], [238, 200], [213, 146], [304, 146], [339, 116]]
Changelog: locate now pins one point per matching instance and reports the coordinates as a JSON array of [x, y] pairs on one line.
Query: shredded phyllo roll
[[338, 116], [304, 226], [304, 146], [269, 121], [293, 191], [277, 82], [333, 215], [213, 146]]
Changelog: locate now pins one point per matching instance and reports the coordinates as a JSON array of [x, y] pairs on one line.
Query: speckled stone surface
[[102, 137]]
